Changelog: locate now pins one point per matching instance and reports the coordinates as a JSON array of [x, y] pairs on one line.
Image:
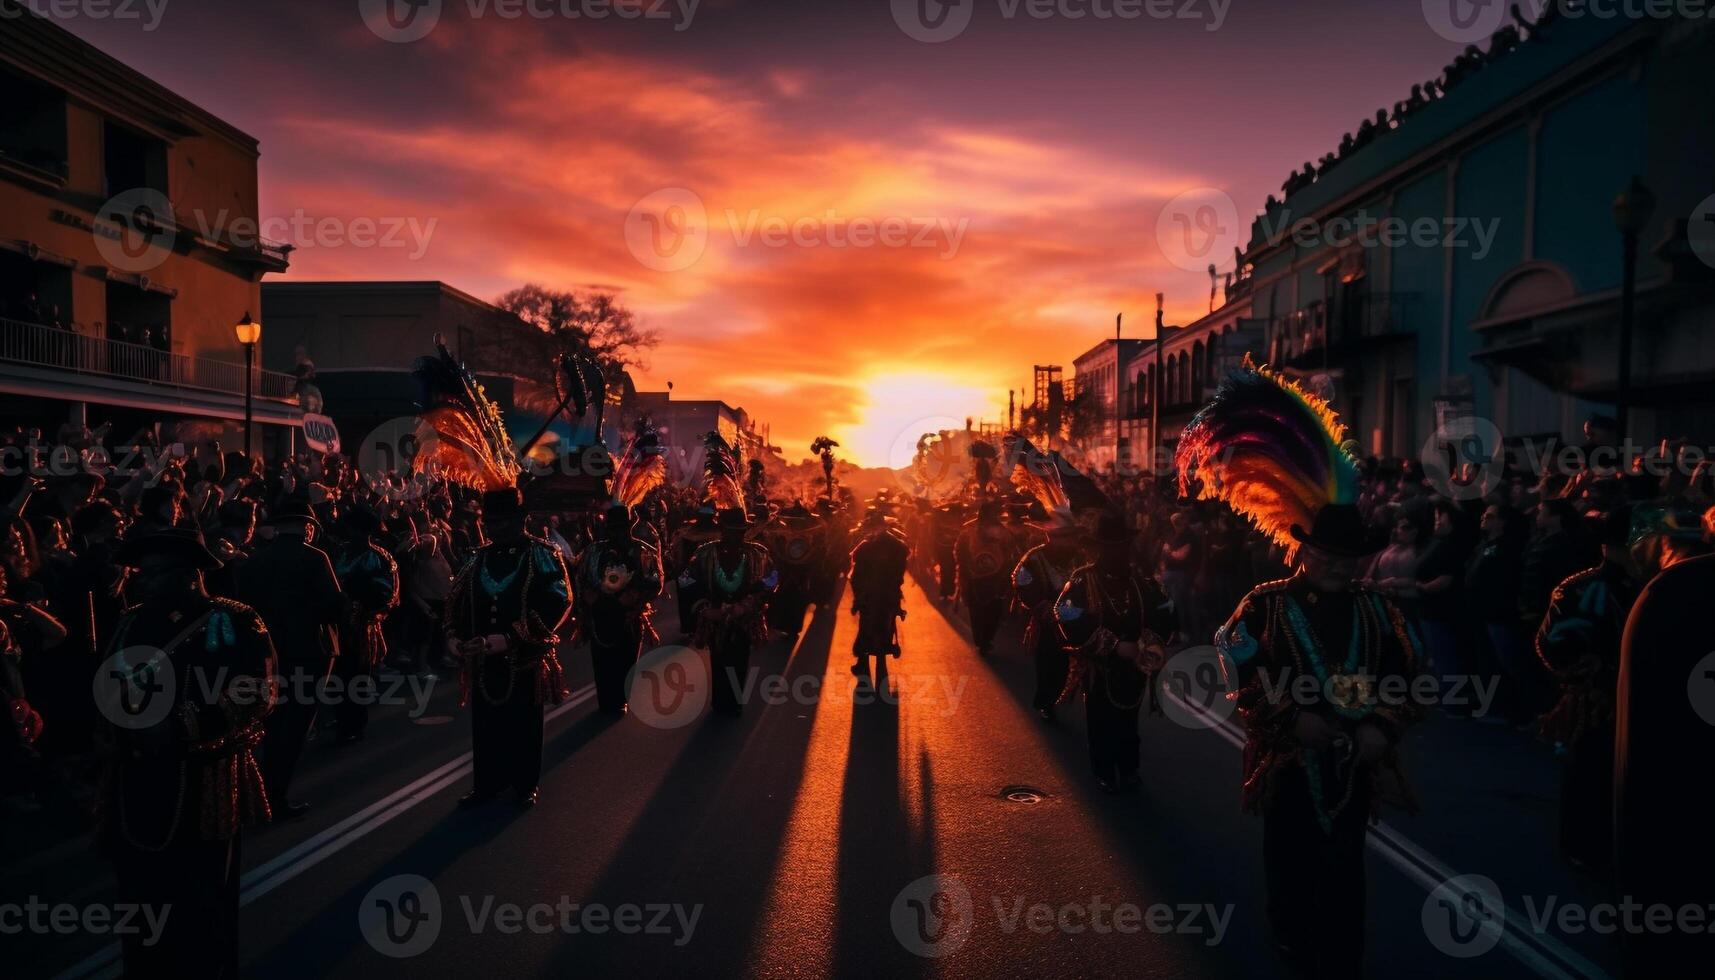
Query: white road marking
[[1429, 873], [293, 862]]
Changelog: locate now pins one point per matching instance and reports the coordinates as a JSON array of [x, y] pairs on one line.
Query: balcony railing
[[1315, 328], [66, 350]]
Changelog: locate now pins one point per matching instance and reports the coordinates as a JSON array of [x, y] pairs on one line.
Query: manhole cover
[[1026, 795], [432, 720]]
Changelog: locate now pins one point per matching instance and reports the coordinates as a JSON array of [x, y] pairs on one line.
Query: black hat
[[1339, 530], [294, 510], [506, 502], [184, 545], [619, 517], [733, 519]]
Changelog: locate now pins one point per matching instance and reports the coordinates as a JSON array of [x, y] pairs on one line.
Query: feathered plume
[[1055, 483], [642, 468], [824, 448], [720, 474], [473, 447], [1270, 450]]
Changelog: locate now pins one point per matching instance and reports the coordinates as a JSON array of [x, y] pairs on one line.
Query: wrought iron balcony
[[79, 354]]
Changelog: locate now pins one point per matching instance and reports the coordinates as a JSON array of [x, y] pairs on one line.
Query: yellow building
[[128, 251]]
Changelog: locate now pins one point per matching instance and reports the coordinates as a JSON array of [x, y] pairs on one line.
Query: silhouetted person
[[290, 583]]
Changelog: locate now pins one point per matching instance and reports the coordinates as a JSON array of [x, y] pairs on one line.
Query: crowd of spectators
[[65, 507]]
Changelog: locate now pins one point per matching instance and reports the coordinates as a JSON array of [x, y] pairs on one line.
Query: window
[[33, 123], [132, 160]]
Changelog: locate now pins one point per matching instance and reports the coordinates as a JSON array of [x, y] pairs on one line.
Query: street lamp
[[1632, 211], [249, 334]]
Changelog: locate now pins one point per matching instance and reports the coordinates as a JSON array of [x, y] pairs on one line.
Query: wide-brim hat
[[183, 545], [295, 509], [733, 519], [1339, 529]]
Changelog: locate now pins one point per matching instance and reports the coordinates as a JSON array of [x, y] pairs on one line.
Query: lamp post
[[249, 334], [1632, 211]]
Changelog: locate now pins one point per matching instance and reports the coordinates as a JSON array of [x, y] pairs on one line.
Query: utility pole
[[1118, 319], [1156, 442]]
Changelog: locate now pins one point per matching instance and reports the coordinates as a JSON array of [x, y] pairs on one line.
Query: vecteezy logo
[[136, 688], [1193, 692], [1198, 227], [668, 230], [668, 687], [1700, 687], [400, 21], [1462, 459], [1701, 230], [1464, 916], [387, 457], [921, 461], [933, 21], [135, 231], [1464, 21], [933, 916], [401, 916]]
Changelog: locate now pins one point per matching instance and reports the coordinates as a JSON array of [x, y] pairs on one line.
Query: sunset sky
[[1025, 164]]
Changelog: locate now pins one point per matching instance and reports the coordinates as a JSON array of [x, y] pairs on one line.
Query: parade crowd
[[306, 572]]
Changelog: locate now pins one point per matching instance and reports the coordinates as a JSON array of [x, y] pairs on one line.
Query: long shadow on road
[[1184, 847], [878, 850], [727, 794]]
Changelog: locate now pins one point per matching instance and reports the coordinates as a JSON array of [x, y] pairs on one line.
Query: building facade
[[362, 338], [128, 250], [1461, 256], [683, 424], [1098, 377]]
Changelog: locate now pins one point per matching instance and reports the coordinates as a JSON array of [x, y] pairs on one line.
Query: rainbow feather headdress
[[471, 445], [1271, 451]]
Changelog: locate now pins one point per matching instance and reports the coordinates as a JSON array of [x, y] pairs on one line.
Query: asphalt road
[[941, 830]]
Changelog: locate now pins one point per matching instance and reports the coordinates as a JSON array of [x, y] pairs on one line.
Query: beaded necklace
[[493, 586], [729, 585], [1306, 650]]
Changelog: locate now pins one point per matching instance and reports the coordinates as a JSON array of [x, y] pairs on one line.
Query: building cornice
[[36, 46], [1566, 81]]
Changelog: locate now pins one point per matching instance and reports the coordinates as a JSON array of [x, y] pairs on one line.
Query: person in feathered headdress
[[986, 553], [795, 538], [1115, 619], [1317, 666], [511, 598], [618, 575], [1045, 568], [733, 579], [684, 544], [878, 566]]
